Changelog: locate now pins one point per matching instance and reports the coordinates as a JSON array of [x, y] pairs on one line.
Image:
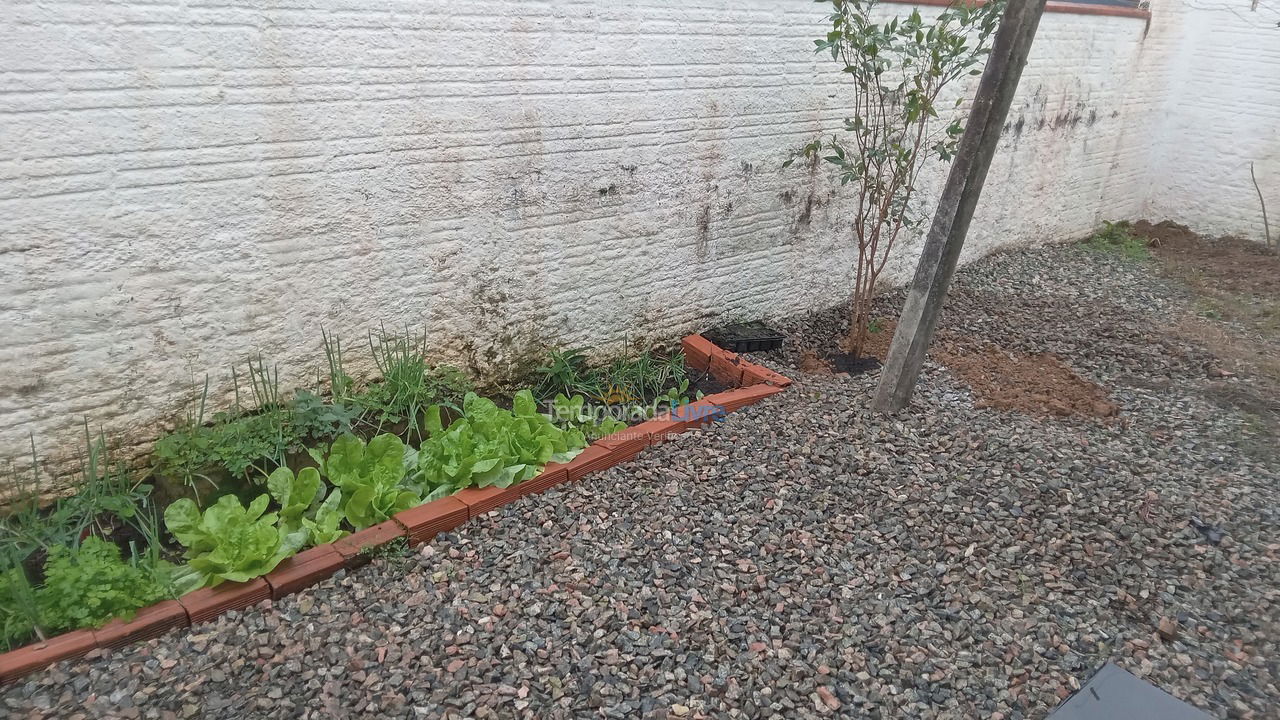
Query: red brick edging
[[750, 383]]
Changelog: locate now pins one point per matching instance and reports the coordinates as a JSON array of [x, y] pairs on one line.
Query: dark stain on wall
[[704, 232], [1071, 117], [807, 213]]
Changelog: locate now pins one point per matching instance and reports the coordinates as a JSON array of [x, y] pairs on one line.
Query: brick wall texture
[[186, 182]]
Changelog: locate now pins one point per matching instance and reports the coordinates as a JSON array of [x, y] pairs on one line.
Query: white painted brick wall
[[184, 182], [1220, 111]]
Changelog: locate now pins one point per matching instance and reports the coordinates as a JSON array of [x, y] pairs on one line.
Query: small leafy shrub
[[91, 584], [229, 541], [369, 476], [1117, 238], [311, 418], [249, 445], [897, 121], [491, 446], [237, 445]]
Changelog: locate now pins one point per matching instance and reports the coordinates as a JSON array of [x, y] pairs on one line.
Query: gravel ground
[[806, 558]]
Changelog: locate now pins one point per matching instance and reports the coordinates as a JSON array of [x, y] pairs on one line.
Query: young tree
[[898, 70]]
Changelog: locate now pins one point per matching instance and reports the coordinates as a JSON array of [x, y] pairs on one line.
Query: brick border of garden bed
[[749, 384]]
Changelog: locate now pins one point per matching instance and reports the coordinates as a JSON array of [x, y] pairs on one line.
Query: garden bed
[[709, 366]]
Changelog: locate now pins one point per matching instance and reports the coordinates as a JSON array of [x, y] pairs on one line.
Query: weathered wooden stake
[[955, 208]]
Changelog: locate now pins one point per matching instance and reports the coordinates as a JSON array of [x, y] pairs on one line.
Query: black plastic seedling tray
[[746, 337]]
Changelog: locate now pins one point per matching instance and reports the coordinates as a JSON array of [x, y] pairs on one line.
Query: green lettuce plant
[[296, 494], [490, 446], [325, 524], [303, 504], [370, 477], [229, 541]]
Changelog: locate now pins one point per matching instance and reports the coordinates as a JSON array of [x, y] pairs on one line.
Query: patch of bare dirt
[[879, 339], [1039, 384], [1238, 279], [1236, 284], [811, 363], [1234, 353]]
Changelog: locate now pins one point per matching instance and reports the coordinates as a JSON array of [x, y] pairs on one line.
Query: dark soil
[[851, 364], [825, 361], [1038, 384]]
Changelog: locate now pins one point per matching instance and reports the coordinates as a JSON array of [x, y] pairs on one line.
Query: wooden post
[[955, 208]]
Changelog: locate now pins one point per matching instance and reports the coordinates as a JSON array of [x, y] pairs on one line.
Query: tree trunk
[[859, 319]]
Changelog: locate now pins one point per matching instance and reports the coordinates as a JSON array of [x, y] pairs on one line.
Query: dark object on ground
[[746, 337], [1212, 533], [846, 363], [1113, 694]]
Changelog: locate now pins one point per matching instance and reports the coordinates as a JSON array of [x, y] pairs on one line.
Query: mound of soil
[[1226, 264], [1038, 384]]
